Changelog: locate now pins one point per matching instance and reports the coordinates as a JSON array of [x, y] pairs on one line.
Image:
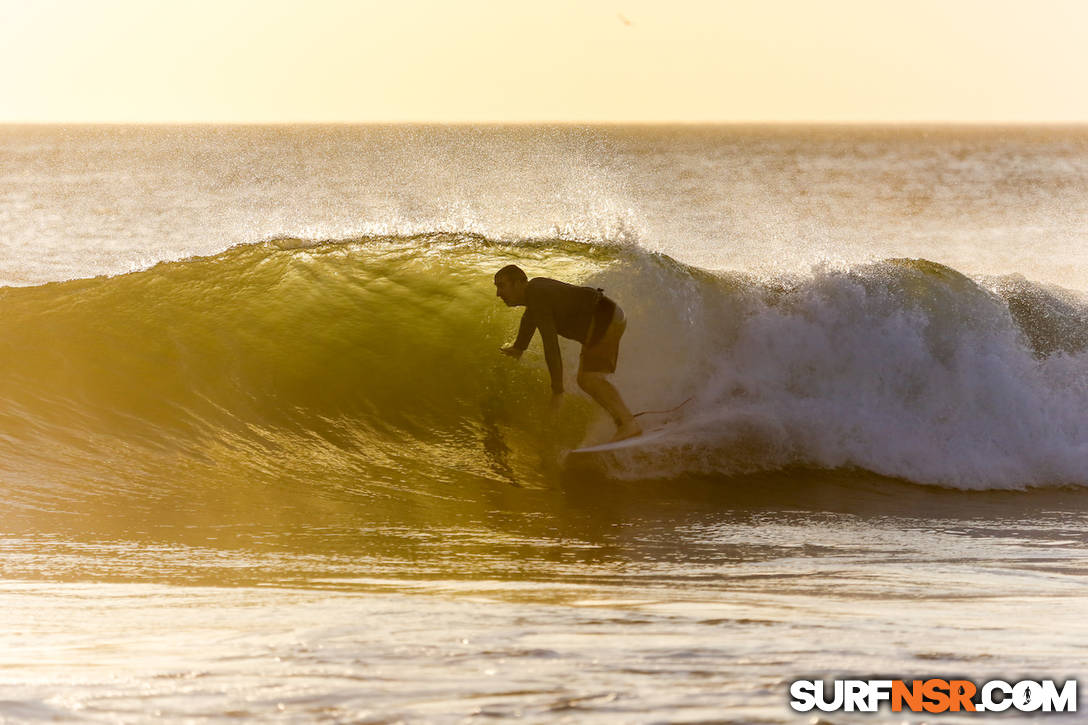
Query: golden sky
[[562, 60]]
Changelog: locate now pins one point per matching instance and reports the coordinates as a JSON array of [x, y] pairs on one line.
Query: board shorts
[[601, 355]]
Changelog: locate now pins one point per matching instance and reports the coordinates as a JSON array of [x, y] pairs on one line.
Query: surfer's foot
[[626, 430]]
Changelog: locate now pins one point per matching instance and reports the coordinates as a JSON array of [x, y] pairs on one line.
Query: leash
[[655, 412]]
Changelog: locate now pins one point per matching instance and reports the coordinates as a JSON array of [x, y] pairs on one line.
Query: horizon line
[[559, 122]]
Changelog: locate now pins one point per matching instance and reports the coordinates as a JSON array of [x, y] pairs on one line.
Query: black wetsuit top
[[558, 308]]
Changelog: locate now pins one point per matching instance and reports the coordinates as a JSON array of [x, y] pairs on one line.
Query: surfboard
[[645, 438]]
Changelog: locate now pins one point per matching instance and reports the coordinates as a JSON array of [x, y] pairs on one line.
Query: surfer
[[578, 313]]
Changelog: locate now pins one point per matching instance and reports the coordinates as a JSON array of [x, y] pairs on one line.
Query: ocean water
[[260, 457]]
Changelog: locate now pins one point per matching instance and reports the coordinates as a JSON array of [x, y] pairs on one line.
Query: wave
[[369, 367]]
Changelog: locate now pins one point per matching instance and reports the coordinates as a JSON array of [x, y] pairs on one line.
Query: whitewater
[[252, 387]]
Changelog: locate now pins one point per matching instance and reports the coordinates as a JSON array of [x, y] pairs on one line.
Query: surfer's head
[[510, 282]]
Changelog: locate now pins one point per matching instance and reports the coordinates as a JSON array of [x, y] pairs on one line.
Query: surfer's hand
[[511, 351]]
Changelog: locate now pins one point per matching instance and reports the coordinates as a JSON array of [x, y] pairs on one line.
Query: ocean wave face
[[367, 370]]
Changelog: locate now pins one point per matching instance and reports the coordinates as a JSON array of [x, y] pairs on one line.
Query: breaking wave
[[369, 367]]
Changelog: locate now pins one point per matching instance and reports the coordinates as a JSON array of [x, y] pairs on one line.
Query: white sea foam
[[903, 368]]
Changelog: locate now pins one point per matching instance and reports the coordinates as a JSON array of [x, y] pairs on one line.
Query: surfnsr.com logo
[[933, 695]]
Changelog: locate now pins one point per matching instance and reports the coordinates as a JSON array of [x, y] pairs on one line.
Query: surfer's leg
[[599, 360], [598, 387]]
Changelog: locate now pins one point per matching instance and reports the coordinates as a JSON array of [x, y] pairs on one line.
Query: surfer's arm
[[525, 332], [550, 339]]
